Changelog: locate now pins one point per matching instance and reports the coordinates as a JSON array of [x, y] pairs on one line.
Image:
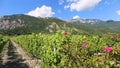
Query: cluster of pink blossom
[[85, 45], [108, 49], [65, 33]]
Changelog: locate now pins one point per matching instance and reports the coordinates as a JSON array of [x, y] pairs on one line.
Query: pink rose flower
[[65, 33], [85, 45], [108, 49]]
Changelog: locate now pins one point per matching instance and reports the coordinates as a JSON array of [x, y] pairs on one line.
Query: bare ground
[[14, 56]]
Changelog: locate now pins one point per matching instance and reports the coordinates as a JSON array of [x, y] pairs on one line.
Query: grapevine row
[[63, 50]]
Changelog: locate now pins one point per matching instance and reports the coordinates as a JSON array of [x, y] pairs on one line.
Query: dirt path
[[16, 57]]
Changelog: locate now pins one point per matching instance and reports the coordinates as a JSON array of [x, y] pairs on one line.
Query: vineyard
[[3, 41], [64, 50], [60, 34]]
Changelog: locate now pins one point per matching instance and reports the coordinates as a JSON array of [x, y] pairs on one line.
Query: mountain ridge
[[23, 24], [111, 24]]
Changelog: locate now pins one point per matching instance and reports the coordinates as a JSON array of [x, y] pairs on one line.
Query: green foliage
[[31, 24], [36, 25], [67, 51], [103, 26], [3, 40]]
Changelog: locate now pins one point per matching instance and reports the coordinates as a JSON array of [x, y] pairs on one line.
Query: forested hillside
[[24, 24]]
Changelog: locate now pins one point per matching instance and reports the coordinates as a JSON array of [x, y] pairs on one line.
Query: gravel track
[[14, 56]]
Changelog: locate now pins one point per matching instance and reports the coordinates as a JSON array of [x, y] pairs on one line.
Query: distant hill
[[77, 21], [24, 24], [98, 24]]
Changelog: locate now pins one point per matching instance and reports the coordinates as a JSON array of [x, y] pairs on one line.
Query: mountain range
[[99, 24], [23, 24]]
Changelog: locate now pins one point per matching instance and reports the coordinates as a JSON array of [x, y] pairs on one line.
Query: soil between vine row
[[14, 56]]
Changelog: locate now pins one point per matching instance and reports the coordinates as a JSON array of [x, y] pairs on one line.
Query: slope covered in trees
[[24, 24]]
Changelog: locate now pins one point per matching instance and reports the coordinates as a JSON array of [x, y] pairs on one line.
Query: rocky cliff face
[[24, 24], [85, 20], [10, 23]]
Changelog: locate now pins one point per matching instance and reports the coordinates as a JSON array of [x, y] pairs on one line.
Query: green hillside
[[24, 24], [103, 26], [31, 24]]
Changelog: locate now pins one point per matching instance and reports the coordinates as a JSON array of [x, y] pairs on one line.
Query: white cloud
[[43, 11], [118, 12], [76, 17], [72, 0], [66, 6], [80, 5], [61, 2]]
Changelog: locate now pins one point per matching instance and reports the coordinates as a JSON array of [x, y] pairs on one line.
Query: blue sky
[[63, 9]]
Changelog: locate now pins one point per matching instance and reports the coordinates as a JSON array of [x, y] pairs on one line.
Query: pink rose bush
[[85, 46], [108, 49], [65, 33]]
